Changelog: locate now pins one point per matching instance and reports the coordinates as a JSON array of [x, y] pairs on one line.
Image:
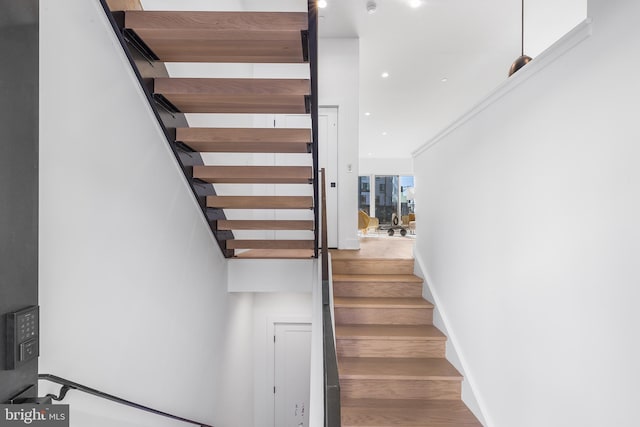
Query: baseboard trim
[[421, 271]]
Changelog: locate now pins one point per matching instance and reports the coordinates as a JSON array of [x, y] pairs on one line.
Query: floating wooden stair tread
[[245, 140], [225, 224], [213, 95], [389, 332], [405, 413], [348, 302], [371, 278], [115, 5], [270, 244], [235, 46], [276, 254], [374, 368], [217, 21], [254, 174], [260, 202]]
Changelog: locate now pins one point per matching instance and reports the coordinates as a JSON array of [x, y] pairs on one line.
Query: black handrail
[[312, 40], [70, 385], [331, 379]]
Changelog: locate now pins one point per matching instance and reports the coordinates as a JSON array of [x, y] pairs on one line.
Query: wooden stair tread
[[373, 302], [260, 202], [397, 368], [232, 95], [245, 140], [270, 244], [218, 21], [224, 46], [254, 174], [375, 278], [375, 266], [115, 5], [406, 412], [276, 254], [390, 332], [225, 224]]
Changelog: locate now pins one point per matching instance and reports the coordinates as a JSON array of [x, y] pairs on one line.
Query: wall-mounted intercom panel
[[22, 336]]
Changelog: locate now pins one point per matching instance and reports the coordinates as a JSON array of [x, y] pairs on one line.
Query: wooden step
[[217, 21], [398, 378], [260, 202], [270, 244], [115, 5], [377, 285], [372, 266], [406, 412], [389, 341], [245, 140], [254, 37], [382, 311], [276, 254], [254, 174], [225, 224], [217, 95]]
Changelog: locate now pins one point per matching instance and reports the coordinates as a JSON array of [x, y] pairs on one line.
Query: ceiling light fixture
[[367, 114], [523, 59], [372, 6], [385, 75], [322, 4], [415, 3], [444, 80], [384, 133]]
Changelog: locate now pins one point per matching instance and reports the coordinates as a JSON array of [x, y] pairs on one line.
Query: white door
[[292, 360], [327, 158]]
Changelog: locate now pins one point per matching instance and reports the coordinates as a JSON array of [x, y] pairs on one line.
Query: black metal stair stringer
[[147, 67]]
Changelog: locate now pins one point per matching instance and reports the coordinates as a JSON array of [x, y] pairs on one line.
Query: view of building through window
[[391, 194]]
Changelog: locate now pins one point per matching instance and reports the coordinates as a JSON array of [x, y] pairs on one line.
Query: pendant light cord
[[522, 30]]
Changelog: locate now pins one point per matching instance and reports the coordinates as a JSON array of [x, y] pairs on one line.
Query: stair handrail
[[330, 359], [312, 44], [68, 385]]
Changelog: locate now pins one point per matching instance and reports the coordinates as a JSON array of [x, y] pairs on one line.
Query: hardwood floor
[[391, 359]]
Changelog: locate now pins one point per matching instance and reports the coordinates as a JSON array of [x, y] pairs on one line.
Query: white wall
[[269, 275], [529, 234], [338, 86], [133, 287], [392, 166]]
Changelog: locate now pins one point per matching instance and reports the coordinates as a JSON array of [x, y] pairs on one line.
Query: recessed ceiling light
[[384, 133], [322, 4], [415, 3], [367, 113], [371, 7], [444, 80], [385, 75]]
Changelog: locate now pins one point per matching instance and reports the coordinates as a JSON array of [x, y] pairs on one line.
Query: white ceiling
[[471, 43]]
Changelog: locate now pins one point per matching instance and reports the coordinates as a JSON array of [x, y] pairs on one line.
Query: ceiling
[[442, 57]]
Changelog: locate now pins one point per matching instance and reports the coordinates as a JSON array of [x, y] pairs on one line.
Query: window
[[393, 194], [364, 199]]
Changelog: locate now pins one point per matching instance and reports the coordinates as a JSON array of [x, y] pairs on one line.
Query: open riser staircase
[[391, 359], [255, 177]]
